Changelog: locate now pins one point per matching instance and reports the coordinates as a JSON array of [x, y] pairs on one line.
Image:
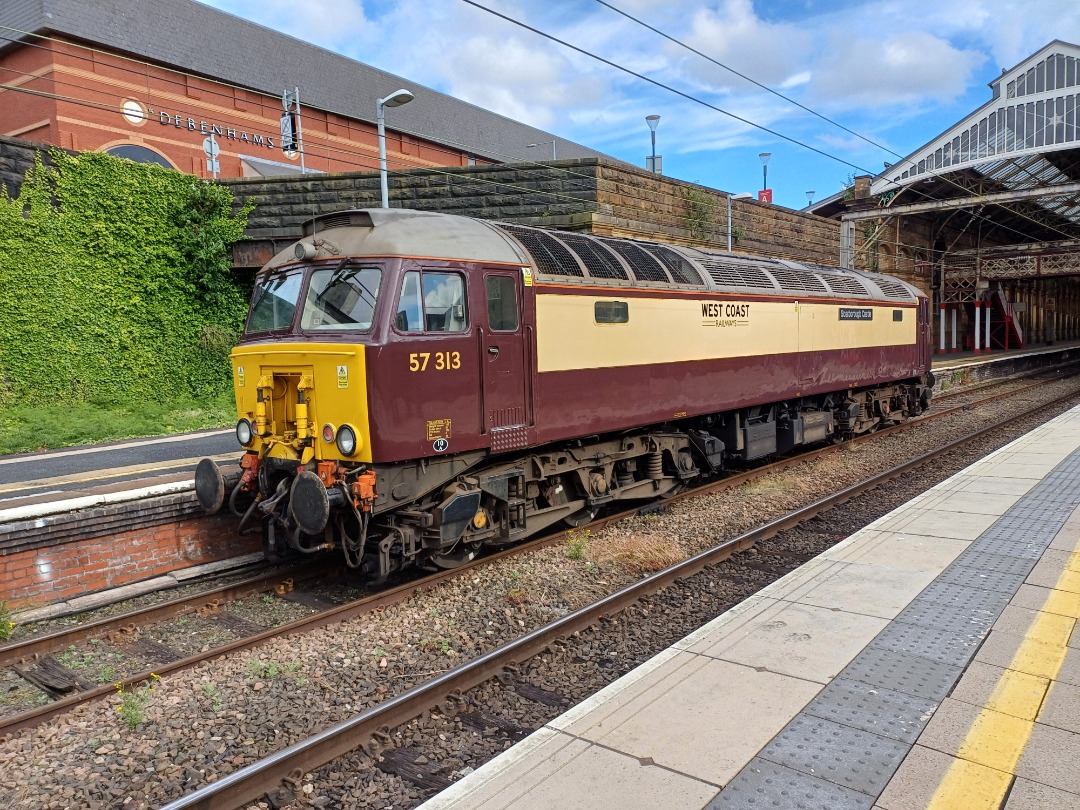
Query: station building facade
[[152, 80]]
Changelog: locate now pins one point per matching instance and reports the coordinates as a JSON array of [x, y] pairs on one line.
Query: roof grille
[[551, 256], [733, 275], [845, 285], [340, 221], [682, 272], [800, 280], [598, 260], [645, 266], [893, 289]]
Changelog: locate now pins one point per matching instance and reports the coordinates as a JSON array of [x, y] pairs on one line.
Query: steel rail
[[370, 729], [36, 646], [33, 717]]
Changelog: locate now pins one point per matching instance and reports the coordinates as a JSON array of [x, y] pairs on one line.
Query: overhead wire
[[587, 205], [911, 162], [357, 160], [711, 106], [360, 157]]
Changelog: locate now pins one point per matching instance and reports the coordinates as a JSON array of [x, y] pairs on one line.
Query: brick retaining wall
[[50, 559]]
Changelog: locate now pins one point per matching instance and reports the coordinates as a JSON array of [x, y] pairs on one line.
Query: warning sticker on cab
[[342, 376], [438, 429]]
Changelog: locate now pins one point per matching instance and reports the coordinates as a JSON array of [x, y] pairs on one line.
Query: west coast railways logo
[[725, 314]]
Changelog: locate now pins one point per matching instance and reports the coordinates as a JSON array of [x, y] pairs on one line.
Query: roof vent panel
[[598, 260], [551, 257]]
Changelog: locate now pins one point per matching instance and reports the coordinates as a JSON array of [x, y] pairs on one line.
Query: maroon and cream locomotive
[[413, 387]]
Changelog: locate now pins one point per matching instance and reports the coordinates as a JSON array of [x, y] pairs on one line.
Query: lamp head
[[396, 99], [652, 121], [765, 158]]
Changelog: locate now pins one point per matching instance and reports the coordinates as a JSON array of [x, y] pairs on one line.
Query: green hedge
[[115, 283]]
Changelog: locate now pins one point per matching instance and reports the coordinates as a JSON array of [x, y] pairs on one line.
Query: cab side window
[[502, 303], [431, 302]]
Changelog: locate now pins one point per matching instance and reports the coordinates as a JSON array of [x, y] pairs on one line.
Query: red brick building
[[152, 80]]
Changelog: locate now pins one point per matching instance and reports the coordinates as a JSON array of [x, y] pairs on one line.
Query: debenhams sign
[[180, 122]]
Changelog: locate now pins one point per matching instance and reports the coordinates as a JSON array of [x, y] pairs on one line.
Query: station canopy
[[1016, 160]]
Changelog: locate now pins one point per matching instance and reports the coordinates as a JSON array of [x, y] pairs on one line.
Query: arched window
[[138, 154]]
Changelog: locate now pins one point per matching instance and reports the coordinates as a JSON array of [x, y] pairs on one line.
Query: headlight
[[243, 432], [346, 440]]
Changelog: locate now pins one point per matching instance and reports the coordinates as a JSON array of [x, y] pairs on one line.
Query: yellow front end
[[291, 392]]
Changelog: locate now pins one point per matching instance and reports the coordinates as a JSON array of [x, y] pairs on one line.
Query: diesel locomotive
[[414, 387]]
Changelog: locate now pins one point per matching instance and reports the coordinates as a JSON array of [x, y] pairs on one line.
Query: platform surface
[[930, 660]]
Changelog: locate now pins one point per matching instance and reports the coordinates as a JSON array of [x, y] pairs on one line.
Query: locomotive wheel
[[455, 558], [580, 518]]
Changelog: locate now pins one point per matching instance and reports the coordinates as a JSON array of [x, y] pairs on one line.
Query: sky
[[891, 74]]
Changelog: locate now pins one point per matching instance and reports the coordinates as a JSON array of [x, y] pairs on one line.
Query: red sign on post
[[765, 195]]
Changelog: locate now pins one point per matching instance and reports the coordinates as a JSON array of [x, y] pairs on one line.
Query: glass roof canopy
[[1026, 137]]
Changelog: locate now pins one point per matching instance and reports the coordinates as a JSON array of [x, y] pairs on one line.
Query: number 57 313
[[439, 361]]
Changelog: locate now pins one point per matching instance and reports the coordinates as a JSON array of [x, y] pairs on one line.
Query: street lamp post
[[810, 197], [392, 100], [765, 169], [544, 143], [653, 121], [742, 195]]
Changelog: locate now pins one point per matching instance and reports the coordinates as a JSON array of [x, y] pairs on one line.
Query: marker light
[[346, 440], [244, 434], [328, 433]]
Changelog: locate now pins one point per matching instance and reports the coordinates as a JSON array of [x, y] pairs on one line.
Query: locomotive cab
[[354, 320]]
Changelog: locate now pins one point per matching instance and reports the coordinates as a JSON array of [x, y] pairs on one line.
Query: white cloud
[[903, 69], [733, 35], [897, 71], [331, 24]]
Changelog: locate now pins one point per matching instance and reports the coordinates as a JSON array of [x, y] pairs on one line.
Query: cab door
[[502, 352]]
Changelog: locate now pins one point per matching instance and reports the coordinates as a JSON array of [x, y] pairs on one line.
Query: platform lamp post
[[742, 195], [765, 170], [653, 121], [810, 198], [544, 143], [392, 100]]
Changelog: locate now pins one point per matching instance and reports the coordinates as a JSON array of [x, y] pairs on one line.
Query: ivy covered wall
[[115, 283]]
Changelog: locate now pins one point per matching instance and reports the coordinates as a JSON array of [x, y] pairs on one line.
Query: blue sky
[[895, 72]]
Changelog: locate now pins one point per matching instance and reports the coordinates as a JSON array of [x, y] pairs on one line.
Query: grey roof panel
[[202, 40]]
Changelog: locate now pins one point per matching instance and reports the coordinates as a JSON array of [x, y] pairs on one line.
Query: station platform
[[929, 661], [1025, 357]]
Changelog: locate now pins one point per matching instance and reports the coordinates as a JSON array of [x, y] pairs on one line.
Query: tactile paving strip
[[944, 646], [948, 593], [973, 558], [905, 673], [875, 709], [843, 748], [761, 784], [976, 578], [1011, 546], [836, 753], [974, 618]]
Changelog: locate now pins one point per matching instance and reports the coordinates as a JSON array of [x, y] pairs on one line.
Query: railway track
[[279, 775], [40, 660]]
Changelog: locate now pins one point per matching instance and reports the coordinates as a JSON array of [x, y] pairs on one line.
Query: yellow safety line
[[980, 776], [110, 472]]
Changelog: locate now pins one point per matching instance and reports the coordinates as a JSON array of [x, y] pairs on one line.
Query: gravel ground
[[158, 742]]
